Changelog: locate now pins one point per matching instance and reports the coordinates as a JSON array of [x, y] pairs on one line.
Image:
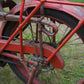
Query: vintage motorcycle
[[33, 33]]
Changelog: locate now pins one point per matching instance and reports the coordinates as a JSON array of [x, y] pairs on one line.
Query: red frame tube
[[20, 22], [21, 41], [21, 25], [67, 38], [17, 58], [31, 14]]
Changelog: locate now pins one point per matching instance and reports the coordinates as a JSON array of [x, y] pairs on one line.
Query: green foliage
[[8, 77], [82, 1]]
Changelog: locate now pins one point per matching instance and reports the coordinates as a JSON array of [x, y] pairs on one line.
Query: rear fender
[[75, 11]]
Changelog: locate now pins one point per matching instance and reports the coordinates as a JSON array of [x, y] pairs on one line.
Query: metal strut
[[1, 9]]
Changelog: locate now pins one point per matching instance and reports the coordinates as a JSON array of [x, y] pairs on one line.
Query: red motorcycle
[[33, 35]]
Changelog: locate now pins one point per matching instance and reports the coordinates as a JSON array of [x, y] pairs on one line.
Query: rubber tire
[[68, 19]]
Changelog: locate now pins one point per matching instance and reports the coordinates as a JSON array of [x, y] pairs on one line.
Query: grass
[[8, 77], [82, 1], [72, 72]]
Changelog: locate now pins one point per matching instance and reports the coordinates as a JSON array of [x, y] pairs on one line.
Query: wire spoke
[[76, 44], [33, 41], [74, 40], [65, 31]]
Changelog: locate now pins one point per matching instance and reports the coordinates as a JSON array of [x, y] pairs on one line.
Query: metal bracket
[[42, 9], [1, 9]]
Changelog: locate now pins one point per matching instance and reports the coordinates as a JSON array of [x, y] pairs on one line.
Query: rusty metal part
[[10, 17], [57, 61], [1, 9], [42, 9], [40, 39], [33, 42], [32, 75], [64, 8], [18, 58]]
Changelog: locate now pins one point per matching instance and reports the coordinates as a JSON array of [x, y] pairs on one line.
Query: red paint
[[21, 25], [60, 7], [67, 38], [20, 22], [64, 8], [27, 48], [27, 20], [49, 52], [65, 2]]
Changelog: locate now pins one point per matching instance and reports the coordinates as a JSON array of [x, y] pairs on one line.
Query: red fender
[[9, 4], [75, 11]]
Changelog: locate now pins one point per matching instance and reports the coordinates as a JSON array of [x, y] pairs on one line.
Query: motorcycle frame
[[22, 23]]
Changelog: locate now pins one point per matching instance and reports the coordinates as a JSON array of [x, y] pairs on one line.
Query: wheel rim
[[57, 41]]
